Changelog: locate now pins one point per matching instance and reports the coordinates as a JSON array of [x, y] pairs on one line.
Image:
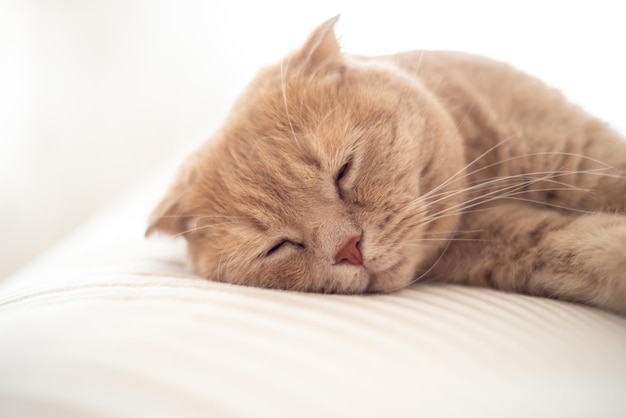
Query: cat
[[350, 174]]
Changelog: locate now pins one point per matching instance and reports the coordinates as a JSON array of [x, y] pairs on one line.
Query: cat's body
[[355, 174]]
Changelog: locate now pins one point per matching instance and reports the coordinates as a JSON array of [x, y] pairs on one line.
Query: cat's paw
[[590, 258]]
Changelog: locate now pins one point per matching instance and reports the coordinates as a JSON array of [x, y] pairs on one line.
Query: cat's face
[[320, 180]]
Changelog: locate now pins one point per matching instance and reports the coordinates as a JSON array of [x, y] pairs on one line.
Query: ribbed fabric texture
[[110, 325]]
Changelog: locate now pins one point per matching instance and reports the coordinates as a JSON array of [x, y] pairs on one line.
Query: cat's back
[[491, 101], [507, 96]]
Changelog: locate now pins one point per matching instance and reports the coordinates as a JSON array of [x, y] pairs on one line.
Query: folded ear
[[166, 217], [321, 47], [170, 216]]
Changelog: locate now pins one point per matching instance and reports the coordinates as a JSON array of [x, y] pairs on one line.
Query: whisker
[[202, 216], [232, 256], [202, 227], [462, 208], [467, 113], [527, 182], [458, 232], [552, 205], [544, 154], [282, 83], [500, 162], [548, 176], [479, 200], [419, 64], [451, 178], [445, 239], [219, 264], [415, 280]]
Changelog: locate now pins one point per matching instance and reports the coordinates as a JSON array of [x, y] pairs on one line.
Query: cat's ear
[[169, 216], [166, 217], [322, 47]]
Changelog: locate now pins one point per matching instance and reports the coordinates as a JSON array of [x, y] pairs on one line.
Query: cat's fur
[[460, 169]]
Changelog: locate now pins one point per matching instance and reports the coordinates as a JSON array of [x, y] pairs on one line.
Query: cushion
[[108, 324]]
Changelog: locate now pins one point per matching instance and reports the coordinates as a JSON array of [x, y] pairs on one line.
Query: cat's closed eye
[[341, 174], [275, 247], [282, 244]]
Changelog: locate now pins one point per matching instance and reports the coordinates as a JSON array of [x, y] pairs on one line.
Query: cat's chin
[[395, 271], [391, 279]]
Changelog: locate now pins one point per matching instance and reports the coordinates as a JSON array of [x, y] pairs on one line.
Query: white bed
[[108, 324]]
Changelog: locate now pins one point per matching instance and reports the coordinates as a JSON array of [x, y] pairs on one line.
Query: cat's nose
[[350, 252]]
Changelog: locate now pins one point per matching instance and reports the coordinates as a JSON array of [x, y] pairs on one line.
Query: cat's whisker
[[284, 91], [462, 211], [462, 208], [548, 176], [471, 203], [232, 256], [219, 265], [201, 216], [418, 64], [467, 113], [457, 232], [417, 240], [326, 116], [199, 228], [550, 205], [527, 182], [479, 200], [479, 186], [544, 154], [424, 245], [421, 276], [511, 194], [463, 170], [507, 160]]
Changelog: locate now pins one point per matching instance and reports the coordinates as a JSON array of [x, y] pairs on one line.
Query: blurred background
[[97, 95]]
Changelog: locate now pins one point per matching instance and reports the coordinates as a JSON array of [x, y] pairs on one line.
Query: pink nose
[[350, 252]]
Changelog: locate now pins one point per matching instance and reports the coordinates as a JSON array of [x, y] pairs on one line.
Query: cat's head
[[331, 174]]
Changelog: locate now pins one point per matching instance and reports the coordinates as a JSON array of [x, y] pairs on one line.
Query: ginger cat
[[348, 174]]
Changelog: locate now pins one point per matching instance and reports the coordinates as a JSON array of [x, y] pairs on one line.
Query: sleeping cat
[[349, 174]]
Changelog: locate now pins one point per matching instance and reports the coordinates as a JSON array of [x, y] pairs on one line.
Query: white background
[[96, 95]]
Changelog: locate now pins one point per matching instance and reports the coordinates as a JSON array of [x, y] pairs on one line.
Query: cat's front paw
[[589, 261]]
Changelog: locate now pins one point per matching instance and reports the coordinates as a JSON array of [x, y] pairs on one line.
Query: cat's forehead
[[299, 127], [312, 117]]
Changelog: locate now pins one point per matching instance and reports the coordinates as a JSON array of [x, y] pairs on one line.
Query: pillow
[[107, 324]]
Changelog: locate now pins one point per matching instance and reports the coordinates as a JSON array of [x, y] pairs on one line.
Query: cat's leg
[[527, 249]]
